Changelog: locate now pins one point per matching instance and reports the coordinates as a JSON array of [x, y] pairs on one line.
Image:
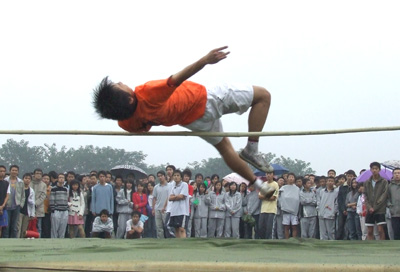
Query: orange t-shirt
[[160, 104]]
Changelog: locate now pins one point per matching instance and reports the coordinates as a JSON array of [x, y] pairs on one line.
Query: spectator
[[150, 230], [252, 208], [124, 208], [46, 221], [27, 212], [102, 196], [59, 208], [4, 195], [268, 209], [308, 212], [353, 220], [233, 204], [394, 202], [290, 201], [327, 209], [200, 211], [76, 203], [134, 226], [160, 197], [40, 189], [243, 194], [14, 203], [103, 224], [376, 195], [179, 195], [216, 211]]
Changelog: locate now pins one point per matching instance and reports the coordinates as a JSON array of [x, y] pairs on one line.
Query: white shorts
[[290, 219], [222, 99]]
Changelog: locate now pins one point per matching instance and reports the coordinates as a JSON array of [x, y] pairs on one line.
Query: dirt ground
[[198, 255]]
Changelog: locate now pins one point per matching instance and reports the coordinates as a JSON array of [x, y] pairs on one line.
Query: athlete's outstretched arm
[[212, 57]]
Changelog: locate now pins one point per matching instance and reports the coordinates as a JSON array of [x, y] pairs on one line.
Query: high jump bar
[[195, 133]]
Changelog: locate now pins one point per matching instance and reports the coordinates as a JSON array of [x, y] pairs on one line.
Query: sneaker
[[256, 160]]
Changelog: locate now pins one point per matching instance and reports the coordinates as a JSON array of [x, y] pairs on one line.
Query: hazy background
[[328, 65]]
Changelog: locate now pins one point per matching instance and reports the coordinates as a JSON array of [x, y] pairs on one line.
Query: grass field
[[198, 255]]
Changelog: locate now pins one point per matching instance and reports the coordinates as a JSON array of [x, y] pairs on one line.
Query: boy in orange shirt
[[176, 101]]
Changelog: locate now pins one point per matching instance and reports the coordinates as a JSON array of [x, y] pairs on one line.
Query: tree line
[[86, 158]]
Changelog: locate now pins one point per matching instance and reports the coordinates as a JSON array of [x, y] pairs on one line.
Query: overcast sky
[[327, 64]]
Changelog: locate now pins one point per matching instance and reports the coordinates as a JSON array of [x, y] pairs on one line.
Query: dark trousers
[[341, 232], [248, 229], [396, 228], [11, 231], [89, 224], [265, 225], [46, 226]]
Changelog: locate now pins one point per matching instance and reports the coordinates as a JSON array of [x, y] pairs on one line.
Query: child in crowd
[[216, 213], [124, 207], [362, 210], [200, 211], [308, 212], [76, 203], [150, 226], [290, 201], [353, 220], [233, 204], [27, 212], [327, 208], [59, 208], [134, 226], [103, 225]]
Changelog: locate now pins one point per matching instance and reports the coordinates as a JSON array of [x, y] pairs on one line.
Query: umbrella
[[238, 179], [124, 170], [392, 164], [385, 173], [278, 170]]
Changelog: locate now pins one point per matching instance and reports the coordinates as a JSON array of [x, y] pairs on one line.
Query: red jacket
[[141, 201]]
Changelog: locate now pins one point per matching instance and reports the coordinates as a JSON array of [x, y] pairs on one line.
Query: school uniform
[[308, 213], [216, 214], [124, 209], [200, 215], [233, 203], [327, 208], [253, 208]]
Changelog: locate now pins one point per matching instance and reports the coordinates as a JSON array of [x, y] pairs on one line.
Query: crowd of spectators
[[171, 204]]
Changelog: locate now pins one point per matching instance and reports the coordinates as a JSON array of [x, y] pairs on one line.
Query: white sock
[[252, 147], [258, 183]]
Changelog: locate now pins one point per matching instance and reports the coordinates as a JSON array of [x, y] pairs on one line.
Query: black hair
[[215, 187], [53, 174], [2, 166], [232, 183], [200, 185], [27, 175], [396, 168], [102, 172], [179, 172], [74, 181], [245, 191], [161, 172], [104, 211], [304, 181], [147, 187], [187, 172], [291, 174], [370, 166], [171, 166], [198, 175], [137, 213], [14, 166], [213, 176], [111, 102], [44, 175], [61, 174], [37, 170], [133, 188], [71, 173], [152, 176]]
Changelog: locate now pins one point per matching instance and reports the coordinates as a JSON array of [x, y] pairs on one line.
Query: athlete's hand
[[216, 55]]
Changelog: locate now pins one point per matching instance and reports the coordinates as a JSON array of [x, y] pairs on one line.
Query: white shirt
[[180, 207]]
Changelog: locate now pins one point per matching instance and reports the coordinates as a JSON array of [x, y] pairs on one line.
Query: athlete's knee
[[261, 95]]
